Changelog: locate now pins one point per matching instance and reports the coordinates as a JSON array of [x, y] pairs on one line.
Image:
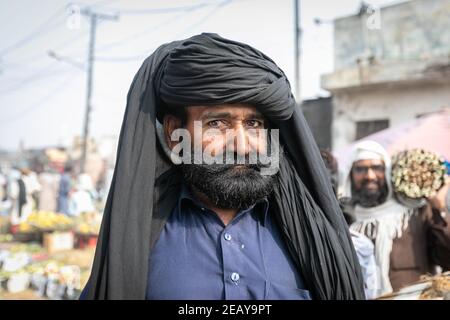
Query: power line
[[152, 29], [186, 31], [37, 32], [145, 32], [33, 58], [38, 75], [48, 71], [32, 107], [42, 29], [35, 76], [123, 11]]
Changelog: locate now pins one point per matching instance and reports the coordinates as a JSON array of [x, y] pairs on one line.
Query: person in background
[[4, 202], [409, 241], [35, 187], [363, 246], [49, 191], [21, 193], [440, 205], [65, 185], [441, 201], [82, 197], [2, 186]]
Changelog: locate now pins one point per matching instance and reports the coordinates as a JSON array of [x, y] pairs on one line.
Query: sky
[[43, 99]]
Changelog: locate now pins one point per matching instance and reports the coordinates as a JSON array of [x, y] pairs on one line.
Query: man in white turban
[[409, 241]]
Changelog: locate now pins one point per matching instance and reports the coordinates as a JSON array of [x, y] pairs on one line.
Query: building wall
[[398, 104], [407, 31], [395, 72]]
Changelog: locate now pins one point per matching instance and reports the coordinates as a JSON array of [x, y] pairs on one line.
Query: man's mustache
[[244, 161], [221, 168], [365, 183]]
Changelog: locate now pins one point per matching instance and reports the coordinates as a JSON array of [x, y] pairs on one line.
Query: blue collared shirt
[[198, 257]]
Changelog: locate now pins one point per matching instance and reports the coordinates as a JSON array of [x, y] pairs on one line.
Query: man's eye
[[360, 169], [254, 123], [215, 123]]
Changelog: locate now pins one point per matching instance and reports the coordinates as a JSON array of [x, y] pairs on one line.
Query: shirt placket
[[233, 264]]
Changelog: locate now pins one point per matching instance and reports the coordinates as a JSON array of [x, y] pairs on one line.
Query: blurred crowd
[[23, 191]]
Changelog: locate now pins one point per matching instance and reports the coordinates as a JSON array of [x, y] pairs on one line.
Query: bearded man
[[409, 241], [180, 226]]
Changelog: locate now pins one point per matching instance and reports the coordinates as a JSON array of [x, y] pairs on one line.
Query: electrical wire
[[145, 11], [49, 71], [143, 55], [37, 32], [32, 107]]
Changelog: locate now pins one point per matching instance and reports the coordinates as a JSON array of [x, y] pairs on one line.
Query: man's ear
[[170, 124]]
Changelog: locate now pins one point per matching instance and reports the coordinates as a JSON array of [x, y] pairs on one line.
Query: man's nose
[[241, 146], [371, 175]]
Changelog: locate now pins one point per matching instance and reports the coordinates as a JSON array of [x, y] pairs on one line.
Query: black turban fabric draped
[[207, 70]]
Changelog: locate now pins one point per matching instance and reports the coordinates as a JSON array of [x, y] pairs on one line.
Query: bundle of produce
[[417, 174]]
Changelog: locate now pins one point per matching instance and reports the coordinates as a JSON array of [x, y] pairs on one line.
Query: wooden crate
[[58, 241]]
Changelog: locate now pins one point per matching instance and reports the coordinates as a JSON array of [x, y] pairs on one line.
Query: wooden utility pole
[[93, 18]]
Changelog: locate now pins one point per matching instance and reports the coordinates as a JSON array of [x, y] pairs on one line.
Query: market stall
[[48, 256]]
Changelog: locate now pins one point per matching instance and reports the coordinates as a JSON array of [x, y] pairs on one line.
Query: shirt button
[[227, 236], [235, 276]]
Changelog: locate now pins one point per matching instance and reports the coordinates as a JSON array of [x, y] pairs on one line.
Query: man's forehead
[[368, 162], [224, 110]]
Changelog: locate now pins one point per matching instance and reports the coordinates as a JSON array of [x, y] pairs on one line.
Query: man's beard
[[229, 186], [369, 199]]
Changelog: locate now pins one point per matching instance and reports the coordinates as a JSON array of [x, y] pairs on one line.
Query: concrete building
[[391, 65]]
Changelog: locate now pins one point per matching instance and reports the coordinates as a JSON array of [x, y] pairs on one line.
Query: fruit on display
[[47, 220], [85, 228], [25, 227], [88, 223]]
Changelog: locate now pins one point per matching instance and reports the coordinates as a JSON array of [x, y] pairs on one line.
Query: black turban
[[208, 70]]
